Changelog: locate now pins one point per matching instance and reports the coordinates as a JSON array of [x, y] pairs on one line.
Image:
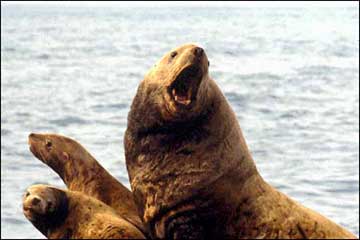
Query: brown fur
[[81, 172], [191, 172], [58, 213]]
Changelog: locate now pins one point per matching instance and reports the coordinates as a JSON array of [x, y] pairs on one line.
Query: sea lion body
[[81, 172], [58, 213], [190, 170]]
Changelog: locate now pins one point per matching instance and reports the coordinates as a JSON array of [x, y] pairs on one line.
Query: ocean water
[[290, 74]]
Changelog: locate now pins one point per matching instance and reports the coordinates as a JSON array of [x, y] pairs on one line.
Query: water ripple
[[74, 71], [70, 120]]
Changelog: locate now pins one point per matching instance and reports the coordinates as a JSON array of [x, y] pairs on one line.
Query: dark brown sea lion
[[81, 172], [190, 170], [58, 213]]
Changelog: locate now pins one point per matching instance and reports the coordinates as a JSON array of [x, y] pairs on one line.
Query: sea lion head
[[45, 206], [54, 150], [176, 84]]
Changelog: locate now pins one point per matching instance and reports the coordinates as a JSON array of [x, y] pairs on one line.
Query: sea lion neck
[[201, 146], [176, 128], [79, 169], [61, 211], [65, 156]]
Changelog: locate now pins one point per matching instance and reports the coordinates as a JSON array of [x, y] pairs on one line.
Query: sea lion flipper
[[186, 227]]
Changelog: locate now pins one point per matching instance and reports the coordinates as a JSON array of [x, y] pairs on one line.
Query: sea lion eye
[[173, 54], [48, 144]]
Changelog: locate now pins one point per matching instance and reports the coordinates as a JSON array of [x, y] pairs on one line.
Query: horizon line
[[245, 4]]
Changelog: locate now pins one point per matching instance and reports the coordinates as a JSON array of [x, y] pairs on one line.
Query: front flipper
[[191, 225], [185, 226]]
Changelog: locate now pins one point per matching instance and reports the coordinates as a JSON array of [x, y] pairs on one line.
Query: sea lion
[[58, 213], [190, 169], [81, 172]]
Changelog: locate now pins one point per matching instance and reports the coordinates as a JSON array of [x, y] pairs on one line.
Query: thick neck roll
[[178, 146]]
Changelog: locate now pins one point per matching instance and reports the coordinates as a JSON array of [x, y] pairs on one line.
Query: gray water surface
[[291, 76]]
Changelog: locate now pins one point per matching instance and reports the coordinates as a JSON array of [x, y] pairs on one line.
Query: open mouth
[[184, 87]]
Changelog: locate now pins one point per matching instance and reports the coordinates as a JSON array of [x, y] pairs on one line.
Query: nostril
[[27, 194], [31, 135], [35, 201], [198, 51]]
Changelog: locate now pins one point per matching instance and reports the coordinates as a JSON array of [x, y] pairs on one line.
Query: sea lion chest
[[172, 170]]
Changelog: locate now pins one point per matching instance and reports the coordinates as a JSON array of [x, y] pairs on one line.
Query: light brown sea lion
[[58, 213], [190, 170], [81, 172]]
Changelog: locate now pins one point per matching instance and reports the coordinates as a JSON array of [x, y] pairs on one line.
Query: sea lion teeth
[[216, 191], [185, 100]]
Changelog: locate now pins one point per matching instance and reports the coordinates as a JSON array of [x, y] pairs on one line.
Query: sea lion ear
[[64, 156]]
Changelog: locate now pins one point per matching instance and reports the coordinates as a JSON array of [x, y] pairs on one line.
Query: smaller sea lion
[[81, 172], [58, 213]]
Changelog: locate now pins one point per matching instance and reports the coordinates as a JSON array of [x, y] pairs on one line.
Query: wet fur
[[82, 217], [81, 172], [193, 176]]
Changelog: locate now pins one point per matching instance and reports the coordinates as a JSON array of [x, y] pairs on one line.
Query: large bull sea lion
[[190, 170], [58, 213], [81, 172]]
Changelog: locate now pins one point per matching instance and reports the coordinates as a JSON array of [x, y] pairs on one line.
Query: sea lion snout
[[33, 140], [33, 203], [33, 136], [198, 51], [198, 55], [41, 145]]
